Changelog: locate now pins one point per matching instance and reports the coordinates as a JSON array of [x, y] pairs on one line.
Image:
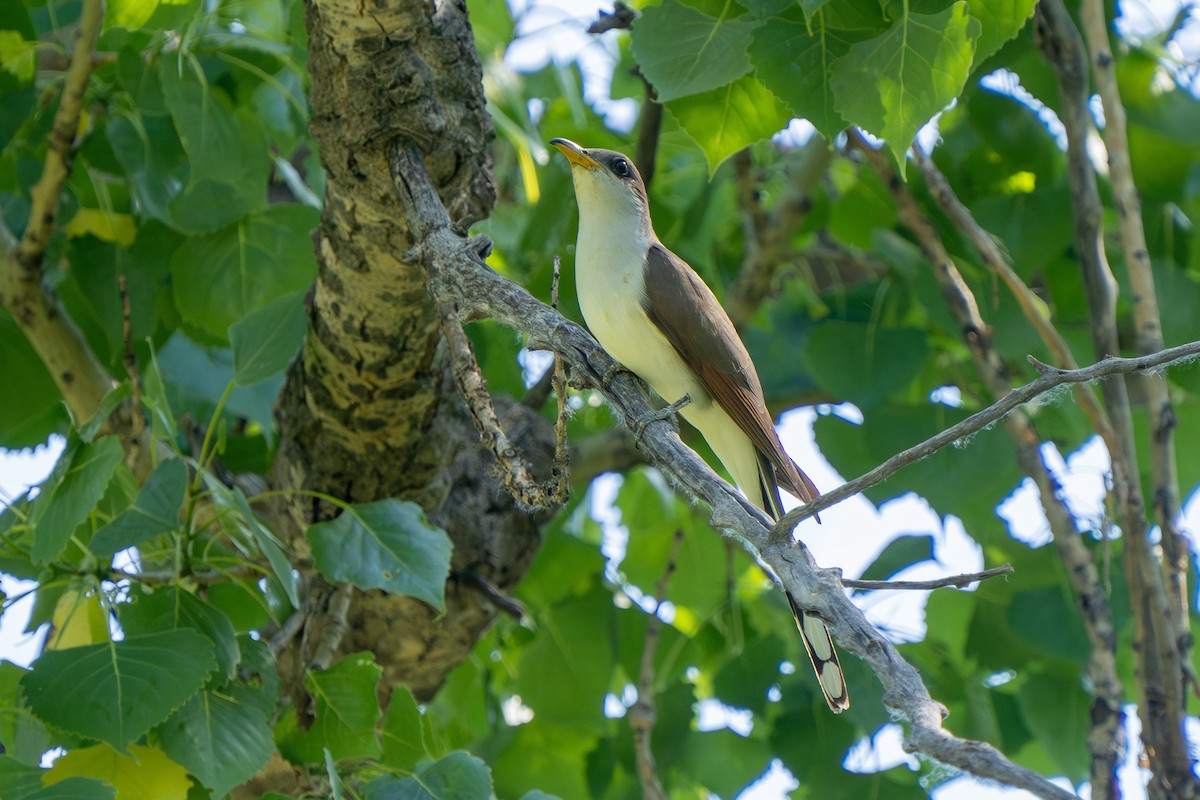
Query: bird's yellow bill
[[575, 154]]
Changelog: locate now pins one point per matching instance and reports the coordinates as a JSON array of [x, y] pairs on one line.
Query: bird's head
[[607, 184]]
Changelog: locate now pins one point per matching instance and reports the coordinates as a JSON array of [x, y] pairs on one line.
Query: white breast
[[610, 264]]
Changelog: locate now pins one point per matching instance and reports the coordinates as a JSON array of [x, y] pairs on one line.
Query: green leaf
[[565, 671], [402, 733], [457, 776], [32, 404], [724, 762], [220, 740], [347, 709], [894, 83], [1001, 21], [1056, 709], [796, 66], [724, 120], [385, 545], [227, 151], [899, 554], [200, 374], [864, 362], [18, 781], [151, 155], [266, 340], [17, 55], [73, 495], [699, 588], [1047, 620], [22, 735], [682, 51], [170, 607], [73, 789], [137, 14], [220, 278], [266, 540], [155, 511], [144, 772], [116, 691], [541, 755]]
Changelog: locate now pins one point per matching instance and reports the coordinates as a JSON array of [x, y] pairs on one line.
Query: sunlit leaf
[[143, 774]]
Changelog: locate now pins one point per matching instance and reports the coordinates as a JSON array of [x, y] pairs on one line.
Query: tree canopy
[[326, 524]]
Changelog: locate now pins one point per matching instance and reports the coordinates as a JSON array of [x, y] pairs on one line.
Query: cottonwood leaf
[[682, 51], [895, 82], [220, 740], [726, 119], [385, 545], [116, 691], [143, 774], [154, 511]]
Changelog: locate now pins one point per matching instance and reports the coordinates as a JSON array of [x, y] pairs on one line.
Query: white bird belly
[[611, 301]]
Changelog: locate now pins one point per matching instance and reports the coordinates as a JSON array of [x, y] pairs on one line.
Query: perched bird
[[654, 315]]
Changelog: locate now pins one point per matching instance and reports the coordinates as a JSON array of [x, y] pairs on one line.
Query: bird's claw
[[661, 415]]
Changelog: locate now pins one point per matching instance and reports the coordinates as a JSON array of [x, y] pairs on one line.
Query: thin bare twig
[[505, 602], [137, 421], [642, 715], [620, 18], [1050, 379], [514, 468], [957, 581]]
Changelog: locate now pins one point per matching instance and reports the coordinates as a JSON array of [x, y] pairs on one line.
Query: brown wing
[[716, 354]]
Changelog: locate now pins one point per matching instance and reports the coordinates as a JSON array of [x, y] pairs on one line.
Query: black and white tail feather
[[817, 640]]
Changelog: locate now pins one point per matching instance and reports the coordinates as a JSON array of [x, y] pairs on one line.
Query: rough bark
[[368, 411]]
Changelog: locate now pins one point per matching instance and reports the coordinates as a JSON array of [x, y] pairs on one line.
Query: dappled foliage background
[[196, 184]]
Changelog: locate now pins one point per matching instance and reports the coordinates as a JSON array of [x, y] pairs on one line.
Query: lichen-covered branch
[[458, 274]]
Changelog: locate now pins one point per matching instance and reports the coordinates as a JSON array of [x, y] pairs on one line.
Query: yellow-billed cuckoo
[[654, 315]]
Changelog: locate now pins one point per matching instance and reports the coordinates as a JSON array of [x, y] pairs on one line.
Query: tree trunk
[[369, 411]]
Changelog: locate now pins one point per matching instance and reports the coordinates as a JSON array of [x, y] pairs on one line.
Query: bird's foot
[[663, 414], [612, 372]]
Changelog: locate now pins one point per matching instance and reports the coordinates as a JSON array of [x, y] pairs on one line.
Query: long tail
[[817, 640], [819, 645]]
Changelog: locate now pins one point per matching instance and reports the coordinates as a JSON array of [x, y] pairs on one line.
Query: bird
[[656, 316]]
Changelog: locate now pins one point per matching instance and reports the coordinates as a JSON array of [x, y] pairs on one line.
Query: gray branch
[[1050, 379], [457, 273]]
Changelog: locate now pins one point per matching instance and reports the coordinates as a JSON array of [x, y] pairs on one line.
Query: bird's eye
[[621, 168]]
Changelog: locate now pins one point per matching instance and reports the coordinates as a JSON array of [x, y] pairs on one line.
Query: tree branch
[[1050, 379], [1160, 675], [79, 376], [1147, 326], [642, 715], [458, 274], [514, 468], [1104, 736], [957, 581]]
